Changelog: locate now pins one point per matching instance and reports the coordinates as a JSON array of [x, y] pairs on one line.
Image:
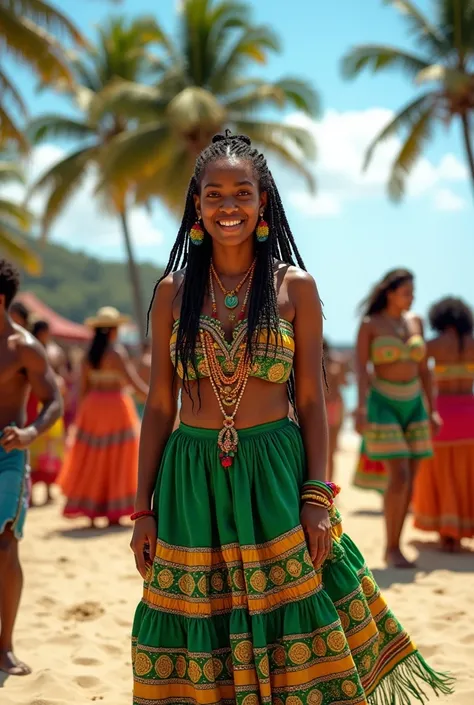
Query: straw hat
[[107, 317]]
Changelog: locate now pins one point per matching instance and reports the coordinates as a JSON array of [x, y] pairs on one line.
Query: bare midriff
[[261, 403]]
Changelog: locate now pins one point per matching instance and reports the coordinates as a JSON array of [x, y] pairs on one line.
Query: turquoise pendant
[[231, 301]]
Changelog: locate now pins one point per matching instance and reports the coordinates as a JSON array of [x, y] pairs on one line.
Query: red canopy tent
[[60, 327]]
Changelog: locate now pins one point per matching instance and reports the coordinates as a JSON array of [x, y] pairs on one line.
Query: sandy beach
[[81, 589]]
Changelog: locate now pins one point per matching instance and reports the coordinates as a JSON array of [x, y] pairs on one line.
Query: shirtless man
[[23, 366]]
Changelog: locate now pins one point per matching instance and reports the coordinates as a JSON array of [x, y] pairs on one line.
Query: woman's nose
[[228, 205]]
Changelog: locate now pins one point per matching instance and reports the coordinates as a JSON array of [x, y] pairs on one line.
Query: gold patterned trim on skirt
[[400, 391]]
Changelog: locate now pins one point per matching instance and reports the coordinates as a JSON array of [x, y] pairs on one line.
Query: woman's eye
[[213, 194], [244, 193]]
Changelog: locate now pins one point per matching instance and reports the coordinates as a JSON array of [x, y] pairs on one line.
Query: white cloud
[[446, 200], [342, 139], [324, 203], [83, 223]]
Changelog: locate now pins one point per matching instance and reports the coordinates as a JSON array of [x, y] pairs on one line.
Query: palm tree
[[203, 86], [122, 50], [448, 61], [29, 33], [15, 221]]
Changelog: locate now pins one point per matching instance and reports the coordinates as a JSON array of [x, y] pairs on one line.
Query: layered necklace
[[228, 381], [231, 296]]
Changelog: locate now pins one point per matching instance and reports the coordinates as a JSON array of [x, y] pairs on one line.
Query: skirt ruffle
[[233, 611], [99, 473]]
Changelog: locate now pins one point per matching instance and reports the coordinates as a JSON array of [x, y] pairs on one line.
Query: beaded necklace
[[231, 298], [228, 382]]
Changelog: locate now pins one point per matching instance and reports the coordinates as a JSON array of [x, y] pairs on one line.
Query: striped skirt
[[233, 610]]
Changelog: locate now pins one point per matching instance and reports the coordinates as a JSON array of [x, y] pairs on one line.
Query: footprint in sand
[[86, 661], [87, 681], [85, 611]]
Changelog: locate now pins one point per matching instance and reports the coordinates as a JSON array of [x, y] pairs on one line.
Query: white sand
[[82, 588]]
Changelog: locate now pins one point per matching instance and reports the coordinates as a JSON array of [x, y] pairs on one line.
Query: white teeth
[[229, 223]]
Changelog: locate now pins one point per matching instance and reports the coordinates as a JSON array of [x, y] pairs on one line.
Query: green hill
[[76, 285]]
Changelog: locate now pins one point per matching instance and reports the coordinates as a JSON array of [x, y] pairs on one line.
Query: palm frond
[[132, 156], [425, 31], [62, 180], [293, 145], [11, 172], [252, 45], [407, 117], [8, 91], [281, 94], [34, 47], [378, 57], [410, 153], [45, 15], [128, 100], [13, 245], [58, 126], [10, 131], [15, 214]]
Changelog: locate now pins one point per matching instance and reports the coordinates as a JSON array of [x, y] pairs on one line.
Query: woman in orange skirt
[[99, 474], [444, 489]]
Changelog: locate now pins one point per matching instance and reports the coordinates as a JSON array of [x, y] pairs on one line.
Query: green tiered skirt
[[233, 610]]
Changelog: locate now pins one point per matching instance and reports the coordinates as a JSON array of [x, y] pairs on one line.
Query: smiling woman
[[252, 592]]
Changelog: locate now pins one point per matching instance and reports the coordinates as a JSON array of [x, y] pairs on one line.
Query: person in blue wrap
[[23, 368]]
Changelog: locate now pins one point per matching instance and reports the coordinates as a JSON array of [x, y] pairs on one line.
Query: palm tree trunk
[[134, 275], [468, 144]]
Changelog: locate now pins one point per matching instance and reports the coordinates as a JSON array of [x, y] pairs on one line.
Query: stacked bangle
[[143, 513], [319, 494]]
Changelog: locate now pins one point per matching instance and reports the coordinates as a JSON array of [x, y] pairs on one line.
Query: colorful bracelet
[[317, 500], [330, 489], [318, 497], [317, 504], [143, 513]]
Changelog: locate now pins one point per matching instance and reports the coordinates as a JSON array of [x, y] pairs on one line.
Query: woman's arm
[[130, 373], [310, 388], [428, 384], [161, 405], [362, 361], [310, 404], [157, 423]]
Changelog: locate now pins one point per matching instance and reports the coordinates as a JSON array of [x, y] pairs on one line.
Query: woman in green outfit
[[252, 592], [396, 412]]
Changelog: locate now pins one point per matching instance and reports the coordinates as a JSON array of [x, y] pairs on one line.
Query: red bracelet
[[143, 513]]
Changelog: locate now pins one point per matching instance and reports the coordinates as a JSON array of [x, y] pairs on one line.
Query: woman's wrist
[[142, 504]]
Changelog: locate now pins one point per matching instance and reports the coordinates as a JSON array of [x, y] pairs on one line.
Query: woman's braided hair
[[263, 312]]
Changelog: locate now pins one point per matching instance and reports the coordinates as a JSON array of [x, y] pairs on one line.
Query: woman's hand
[[317, 527], [360, 420], [143, 544], [436, 423]]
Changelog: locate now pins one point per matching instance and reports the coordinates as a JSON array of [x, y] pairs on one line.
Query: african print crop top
[[388, 348], [454, 371], [272, 365]]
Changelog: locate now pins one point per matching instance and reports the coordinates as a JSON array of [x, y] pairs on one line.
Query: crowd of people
[[251, 586]]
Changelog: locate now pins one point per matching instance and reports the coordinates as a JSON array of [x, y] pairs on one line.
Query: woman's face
[[230, 201], [402, 297]]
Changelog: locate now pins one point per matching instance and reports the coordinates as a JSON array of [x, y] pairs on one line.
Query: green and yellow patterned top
[[454, 371], [388, 349], [273, 359]]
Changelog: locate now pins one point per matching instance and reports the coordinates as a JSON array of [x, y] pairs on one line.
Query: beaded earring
[[196, 234], [262, 230]]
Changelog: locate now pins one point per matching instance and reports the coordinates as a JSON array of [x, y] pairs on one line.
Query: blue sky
[[350, 233]]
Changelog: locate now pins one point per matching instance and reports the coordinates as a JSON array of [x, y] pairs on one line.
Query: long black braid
[[263, 311]]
